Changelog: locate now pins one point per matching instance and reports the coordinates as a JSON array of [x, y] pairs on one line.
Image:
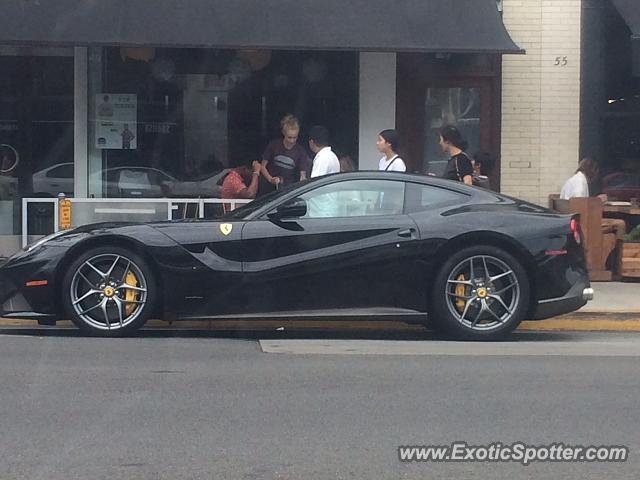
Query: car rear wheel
[[480, 293], [109, 291]]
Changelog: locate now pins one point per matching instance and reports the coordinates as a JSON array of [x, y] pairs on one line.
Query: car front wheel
[[480, 293], [109, 291]]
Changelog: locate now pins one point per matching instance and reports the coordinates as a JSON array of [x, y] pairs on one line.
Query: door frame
[[413, 79]]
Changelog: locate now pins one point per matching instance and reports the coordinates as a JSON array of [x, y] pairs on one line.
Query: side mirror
[[295, 208]]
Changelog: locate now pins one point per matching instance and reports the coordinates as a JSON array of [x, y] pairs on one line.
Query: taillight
[[575, 229]]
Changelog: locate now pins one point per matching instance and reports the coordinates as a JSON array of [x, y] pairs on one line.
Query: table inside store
[[625, 210]]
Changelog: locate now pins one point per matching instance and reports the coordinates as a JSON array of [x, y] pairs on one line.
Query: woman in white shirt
[[388, 144], [578, 184]]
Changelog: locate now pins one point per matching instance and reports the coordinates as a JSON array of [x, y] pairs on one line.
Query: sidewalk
[[614, 297], [615, 307]]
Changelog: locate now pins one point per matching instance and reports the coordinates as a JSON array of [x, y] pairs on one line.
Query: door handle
[[407, 233]]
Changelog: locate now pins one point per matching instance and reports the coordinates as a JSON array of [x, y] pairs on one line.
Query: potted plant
[[630, 254]]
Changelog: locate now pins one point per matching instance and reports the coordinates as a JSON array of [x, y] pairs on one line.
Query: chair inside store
[[602, 238]]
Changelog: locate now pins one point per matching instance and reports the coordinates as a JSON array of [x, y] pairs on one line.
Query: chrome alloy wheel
[[108, 291], [482, 292]]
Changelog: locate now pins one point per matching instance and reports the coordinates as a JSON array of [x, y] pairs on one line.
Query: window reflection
[[355, 198]]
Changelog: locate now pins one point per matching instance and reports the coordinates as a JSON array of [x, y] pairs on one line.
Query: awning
[[367, 25], [630, 12]]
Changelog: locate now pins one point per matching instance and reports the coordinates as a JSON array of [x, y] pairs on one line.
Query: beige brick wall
[[540, 100]]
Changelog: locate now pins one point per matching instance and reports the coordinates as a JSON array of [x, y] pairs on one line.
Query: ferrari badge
[[226, 228]]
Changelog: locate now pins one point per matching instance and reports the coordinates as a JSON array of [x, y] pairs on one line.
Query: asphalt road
[[215, 405]]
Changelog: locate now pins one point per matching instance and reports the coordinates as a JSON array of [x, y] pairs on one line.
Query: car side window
[[355, 198], [424, 197]]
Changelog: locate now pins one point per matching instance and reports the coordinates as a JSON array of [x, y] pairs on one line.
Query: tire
[[99, 303], [486, 305]]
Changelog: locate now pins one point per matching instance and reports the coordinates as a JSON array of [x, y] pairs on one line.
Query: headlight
[[42, 241]]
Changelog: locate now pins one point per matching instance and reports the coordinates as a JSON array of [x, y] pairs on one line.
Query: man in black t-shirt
[[460, 166]]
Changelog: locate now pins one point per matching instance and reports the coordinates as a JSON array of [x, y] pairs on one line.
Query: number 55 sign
[[561, 61]]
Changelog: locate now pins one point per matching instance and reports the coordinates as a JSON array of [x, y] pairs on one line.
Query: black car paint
[[301, 264]]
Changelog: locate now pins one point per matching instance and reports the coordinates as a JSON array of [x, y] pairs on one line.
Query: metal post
[[25, 233], [56, 213]]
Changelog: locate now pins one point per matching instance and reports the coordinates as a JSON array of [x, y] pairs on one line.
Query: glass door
[[463, 91], [459, 106]]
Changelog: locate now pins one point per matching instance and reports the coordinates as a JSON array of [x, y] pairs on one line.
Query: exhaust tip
[[587, 294]]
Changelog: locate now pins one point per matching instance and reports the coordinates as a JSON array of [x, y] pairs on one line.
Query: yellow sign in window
[[64, 218]]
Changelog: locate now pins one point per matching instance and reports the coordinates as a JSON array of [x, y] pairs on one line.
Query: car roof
[[401, 176]]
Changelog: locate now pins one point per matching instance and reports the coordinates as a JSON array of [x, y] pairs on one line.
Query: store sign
[[116, 121]]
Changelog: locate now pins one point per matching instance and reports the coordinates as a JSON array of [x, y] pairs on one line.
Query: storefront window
[[610, 109], [169, 122], [36, 134]]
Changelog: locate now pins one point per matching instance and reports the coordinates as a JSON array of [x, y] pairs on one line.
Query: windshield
[[257, 204]]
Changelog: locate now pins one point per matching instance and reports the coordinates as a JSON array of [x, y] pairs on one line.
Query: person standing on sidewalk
[[325, 161], [460, 166], [388, 145], [284, 161]]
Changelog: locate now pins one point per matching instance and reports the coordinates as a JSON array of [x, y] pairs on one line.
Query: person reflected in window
[[127, 137], [460, 166], [241, 182], [284, 161], [325, 162], [387, 144]]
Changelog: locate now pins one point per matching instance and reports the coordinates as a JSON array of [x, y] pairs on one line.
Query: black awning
[[367, 25], [630, 12]]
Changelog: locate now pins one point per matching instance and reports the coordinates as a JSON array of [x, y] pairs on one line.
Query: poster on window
[[116, 117]]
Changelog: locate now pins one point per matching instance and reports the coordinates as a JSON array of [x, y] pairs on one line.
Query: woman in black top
[[460, 167]]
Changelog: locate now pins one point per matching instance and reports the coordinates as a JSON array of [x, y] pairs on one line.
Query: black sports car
[[377, 243]]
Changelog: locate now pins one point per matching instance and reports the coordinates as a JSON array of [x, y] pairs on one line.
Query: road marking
[[612, 347]]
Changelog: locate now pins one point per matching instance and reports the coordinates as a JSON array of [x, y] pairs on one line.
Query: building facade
[[575, 93], [123, 100]]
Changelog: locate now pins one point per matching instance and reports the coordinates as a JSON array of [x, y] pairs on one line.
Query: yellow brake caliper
[[461, 291], [130, 295]]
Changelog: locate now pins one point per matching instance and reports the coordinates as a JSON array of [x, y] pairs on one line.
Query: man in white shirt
[[576, 186], [325, 161]]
